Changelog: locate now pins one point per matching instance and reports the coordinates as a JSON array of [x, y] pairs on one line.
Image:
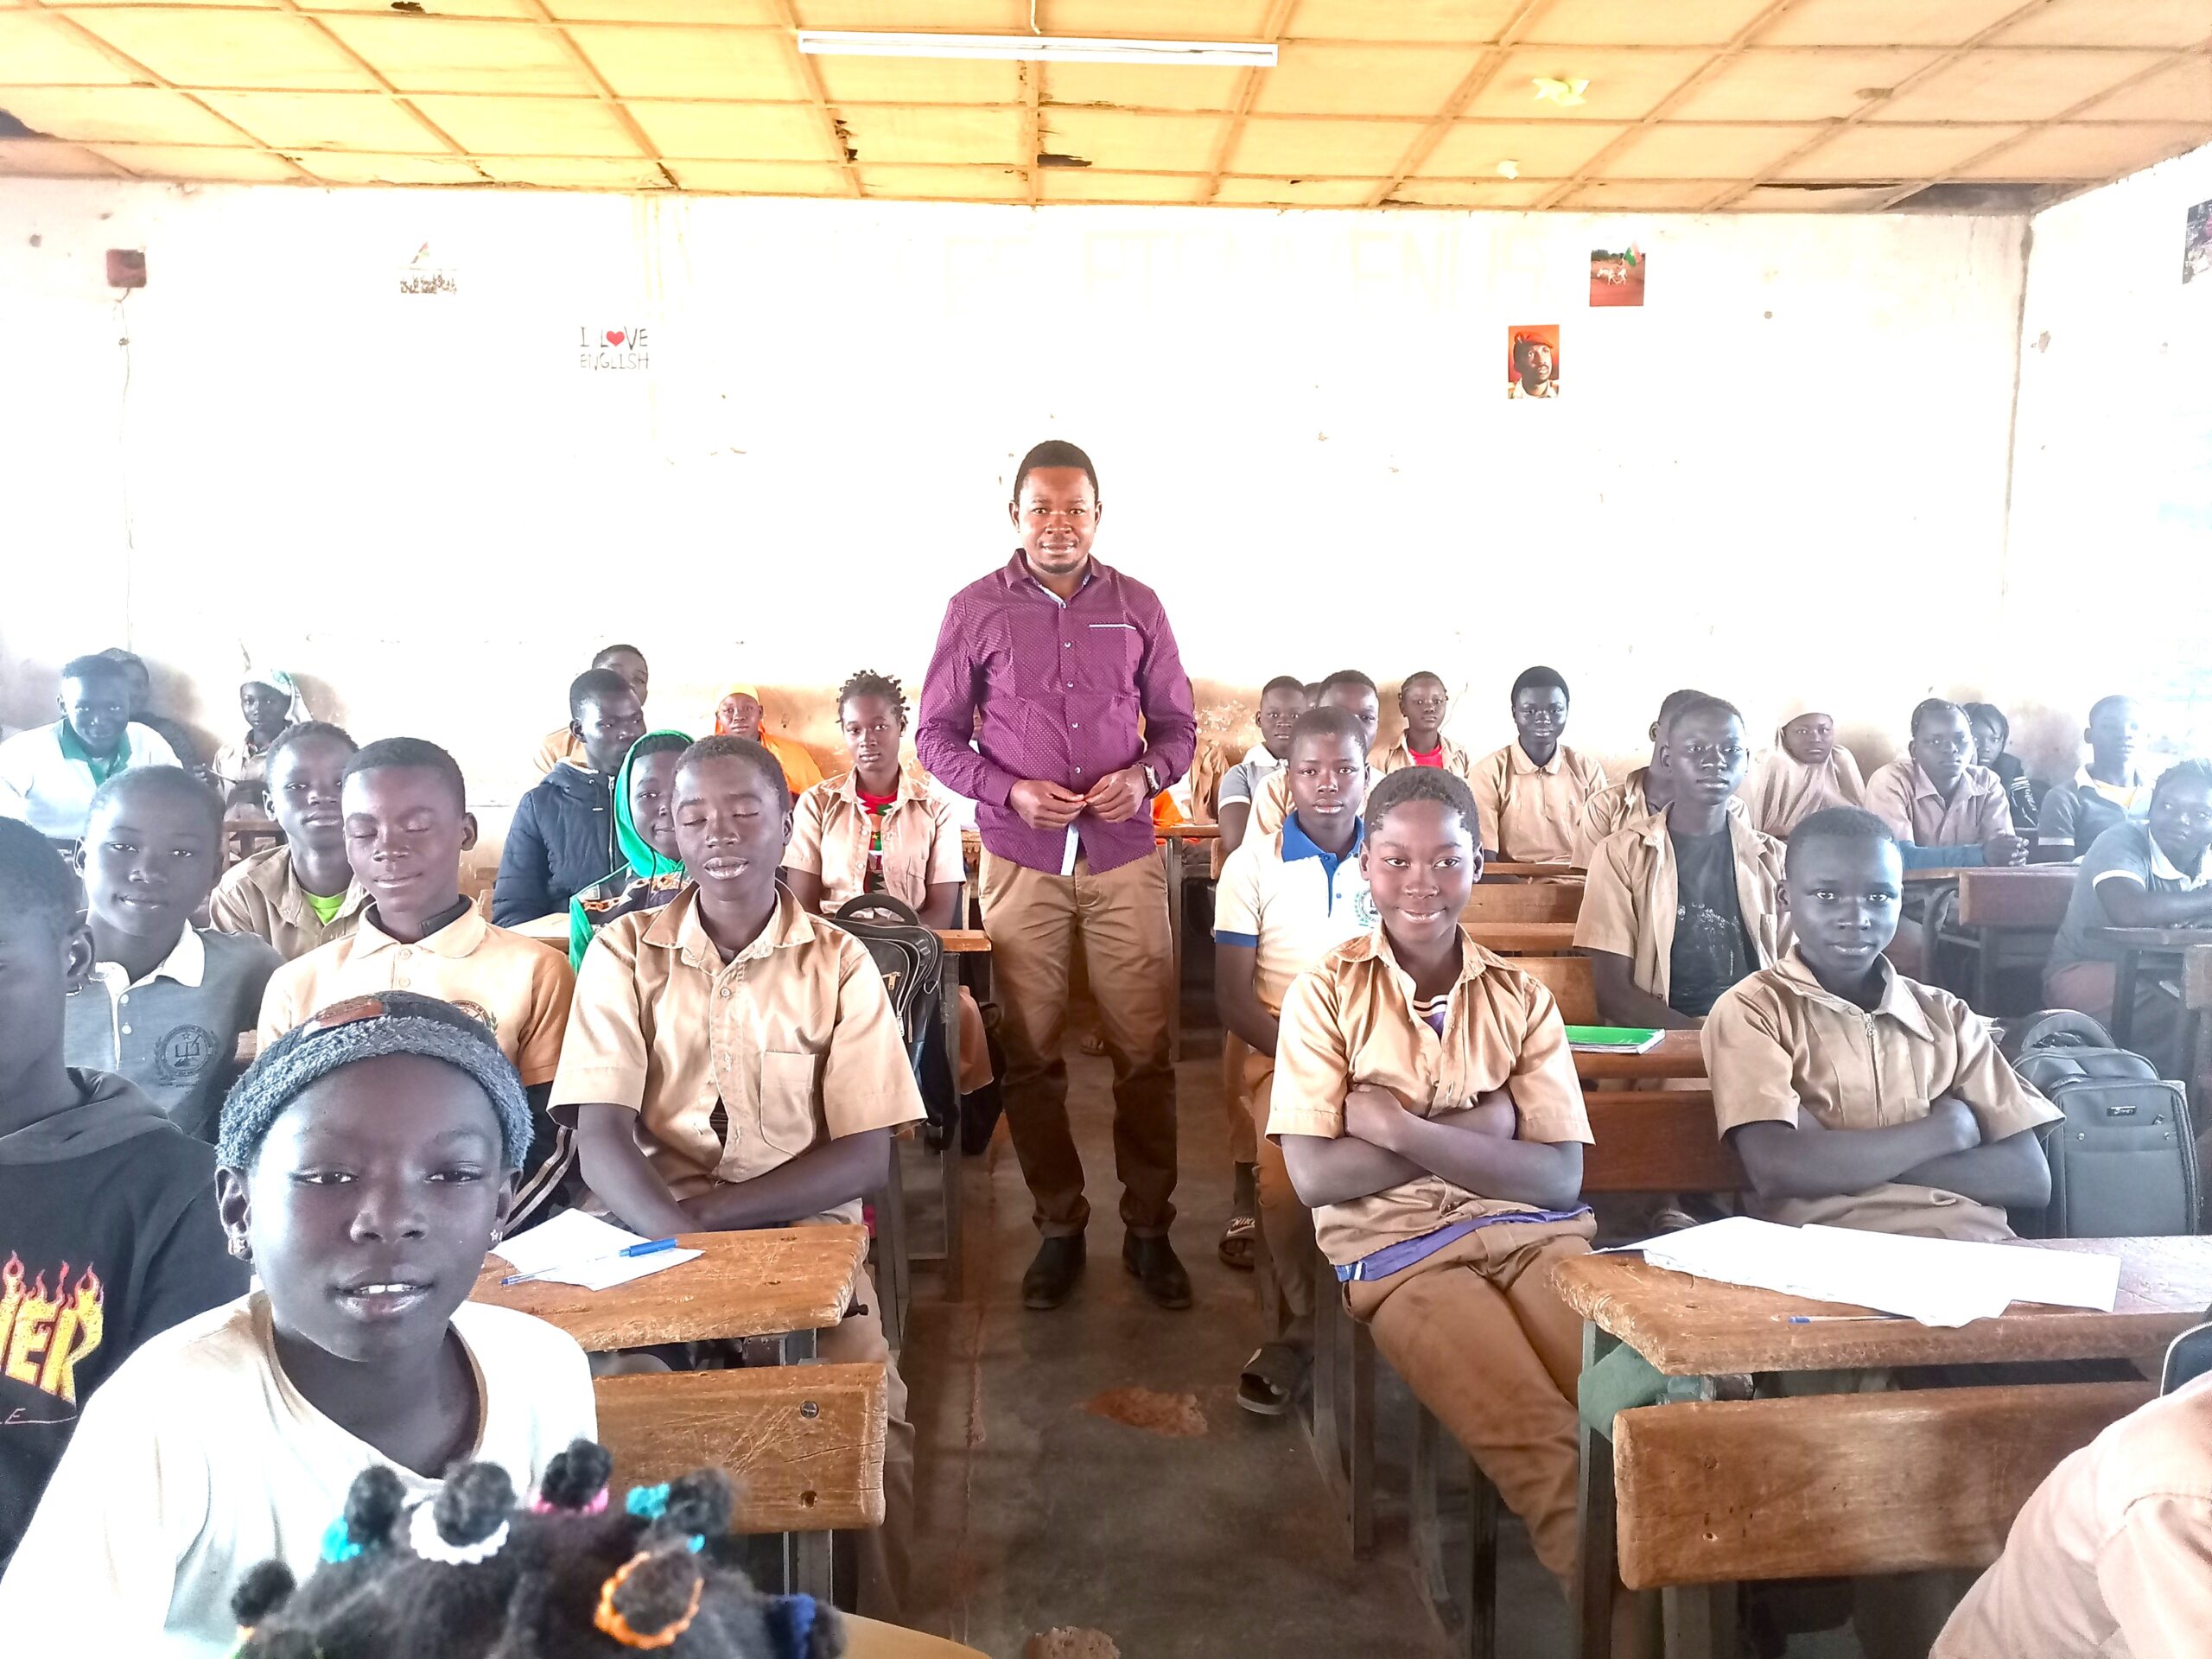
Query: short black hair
[[1348, 677], [128, 659], [162, 783], [411, 754], [1699, 702], [2102, 704], [605, 651], [869, 684], [1424, 784], [1988, 714], [307, 731], [659, 743], [1417, 676], [1326, 720], [1285, 682], [593, 688], [94, 666], [1851, 824], [1927, 709], [1674, 701], [2191, 771], [723, 746], [1055, 452], [1539, 678], [35, 880]]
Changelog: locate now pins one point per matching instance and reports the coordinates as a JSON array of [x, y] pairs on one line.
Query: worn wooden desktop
[[784, 1283], [1679, 1055], [2135, 943], [1699, 1329]]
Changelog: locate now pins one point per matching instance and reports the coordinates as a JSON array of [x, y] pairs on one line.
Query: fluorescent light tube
[[1054, 48]]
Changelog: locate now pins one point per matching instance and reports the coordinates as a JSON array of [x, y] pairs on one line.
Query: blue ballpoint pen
[[651, 1247]]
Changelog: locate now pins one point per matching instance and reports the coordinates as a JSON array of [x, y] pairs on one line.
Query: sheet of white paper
[[577, 1240], [1936, 1280]]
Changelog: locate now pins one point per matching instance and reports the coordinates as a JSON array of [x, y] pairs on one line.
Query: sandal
[[1269, 1382], [1240, 1243]]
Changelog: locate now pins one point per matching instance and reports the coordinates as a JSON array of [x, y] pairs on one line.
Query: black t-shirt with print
[[1711, 951]]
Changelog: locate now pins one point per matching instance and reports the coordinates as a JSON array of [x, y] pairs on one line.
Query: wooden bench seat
[[1522, 901]]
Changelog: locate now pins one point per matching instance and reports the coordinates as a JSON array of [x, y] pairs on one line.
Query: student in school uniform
[[734, 1062], [107, 1208], [650, 871], [1806, 771], [366, 1162], [1284, 900], [167, 1001], [279, 893], [2157, 873], [1679, 909], [1282, 700], [2111, 1557], [562, 839], [1854, 1095], [1423, 704], [1347, 689], [738, 713], [1426, 1103], [1532, 792], [407, 825], [1936, 797], [49, 773], [138, 683], [556, 747], [2109, 788], [1641, 795], [270, 701], [1992, 735]]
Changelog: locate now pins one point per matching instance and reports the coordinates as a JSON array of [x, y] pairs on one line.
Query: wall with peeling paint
[[1783, 477]]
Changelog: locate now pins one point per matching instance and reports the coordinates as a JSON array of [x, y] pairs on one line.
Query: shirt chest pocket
[[1108, 656], [787, 1101]]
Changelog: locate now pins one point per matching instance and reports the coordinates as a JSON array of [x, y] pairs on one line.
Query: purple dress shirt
[[1062, 688]]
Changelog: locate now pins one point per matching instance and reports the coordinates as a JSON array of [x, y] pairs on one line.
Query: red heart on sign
[[614, 336]]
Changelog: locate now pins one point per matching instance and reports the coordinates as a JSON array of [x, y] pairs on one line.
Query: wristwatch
[[1150, 779]]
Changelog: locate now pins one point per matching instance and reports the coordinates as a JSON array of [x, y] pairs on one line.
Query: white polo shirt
[[1291, 904], [52, 790]]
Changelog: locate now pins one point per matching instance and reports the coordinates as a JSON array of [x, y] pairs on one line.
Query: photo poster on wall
[[1532, 360], [2197, 243], [1617, 276]]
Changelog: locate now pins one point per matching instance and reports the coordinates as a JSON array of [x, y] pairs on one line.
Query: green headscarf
[[641, 861]]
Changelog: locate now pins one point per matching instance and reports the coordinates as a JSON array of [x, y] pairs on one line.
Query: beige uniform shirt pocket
[[788, 1118]]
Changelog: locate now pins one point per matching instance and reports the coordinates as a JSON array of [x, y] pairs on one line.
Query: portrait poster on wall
[[1532, 360]]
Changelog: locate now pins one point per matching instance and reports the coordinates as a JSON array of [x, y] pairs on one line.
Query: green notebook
[[1612, 1039]]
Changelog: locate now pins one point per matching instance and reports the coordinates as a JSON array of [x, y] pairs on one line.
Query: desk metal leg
[[1597, 1551], [894, 1272], [2123, 999], [1173, 854], [1700, 1621], [950, 997], [806, 1555]]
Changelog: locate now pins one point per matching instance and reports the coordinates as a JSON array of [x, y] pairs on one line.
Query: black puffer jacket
[[561, 841]]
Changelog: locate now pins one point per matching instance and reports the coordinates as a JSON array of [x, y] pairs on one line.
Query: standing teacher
[[1085, 716]]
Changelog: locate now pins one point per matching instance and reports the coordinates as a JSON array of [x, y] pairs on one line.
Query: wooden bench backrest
[[1840, 1485], [1655, 1141], [2024, 899], [803, 1443], [1523, 901], [1500, 869], [1567, 978]]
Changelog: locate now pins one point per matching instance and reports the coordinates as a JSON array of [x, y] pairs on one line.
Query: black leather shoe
[[1053, 1273], [1152, 1261]]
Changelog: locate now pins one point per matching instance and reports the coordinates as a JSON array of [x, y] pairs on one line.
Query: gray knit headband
[[408, 1023]]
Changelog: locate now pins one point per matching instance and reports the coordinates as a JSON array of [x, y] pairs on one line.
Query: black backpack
[[910, 958], [2123, 1161]]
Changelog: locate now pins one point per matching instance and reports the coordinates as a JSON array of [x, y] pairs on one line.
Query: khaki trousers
[[1283, 1275], [1034, 919], [883, 1551], [1486, 1344], [1243, 1141]]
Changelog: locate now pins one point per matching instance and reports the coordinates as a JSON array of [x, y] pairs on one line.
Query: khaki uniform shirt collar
[[1896, 1001], [1517, 758], [186, 964], [456, 939], [280, 879], [913, 785], [1374, 946], [678, 928]]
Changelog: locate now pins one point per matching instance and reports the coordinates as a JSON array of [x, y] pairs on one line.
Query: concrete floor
[[1205, 1532]]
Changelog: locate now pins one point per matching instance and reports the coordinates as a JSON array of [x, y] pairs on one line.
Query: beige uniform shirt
[[1784, 791], [556, 747], [260, 896], [2112, 1557], [1624, 805], [1629, 901], [1901, 795], [1530, 812], [832, 832], [1272, 804], [518, 987], [1777, 1043], [794, 1038], [1398, 757], [1350, 1020]]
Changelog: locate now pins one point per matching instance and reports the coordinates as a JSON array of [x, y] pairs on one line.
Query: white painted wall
[[2111, 521], [1784, 476]]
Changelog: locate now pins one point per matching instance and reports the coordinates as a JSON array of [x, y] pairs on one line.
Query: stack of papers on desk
[[581, 1251], [1934, 1280]]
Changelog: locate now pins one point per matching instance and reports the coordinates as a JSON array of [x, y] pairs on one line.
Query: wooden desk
[[1530, 938], [1679, 1055], [781, 1282], [245, 835], [2135, 943], [546, 930], [964, 941]]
